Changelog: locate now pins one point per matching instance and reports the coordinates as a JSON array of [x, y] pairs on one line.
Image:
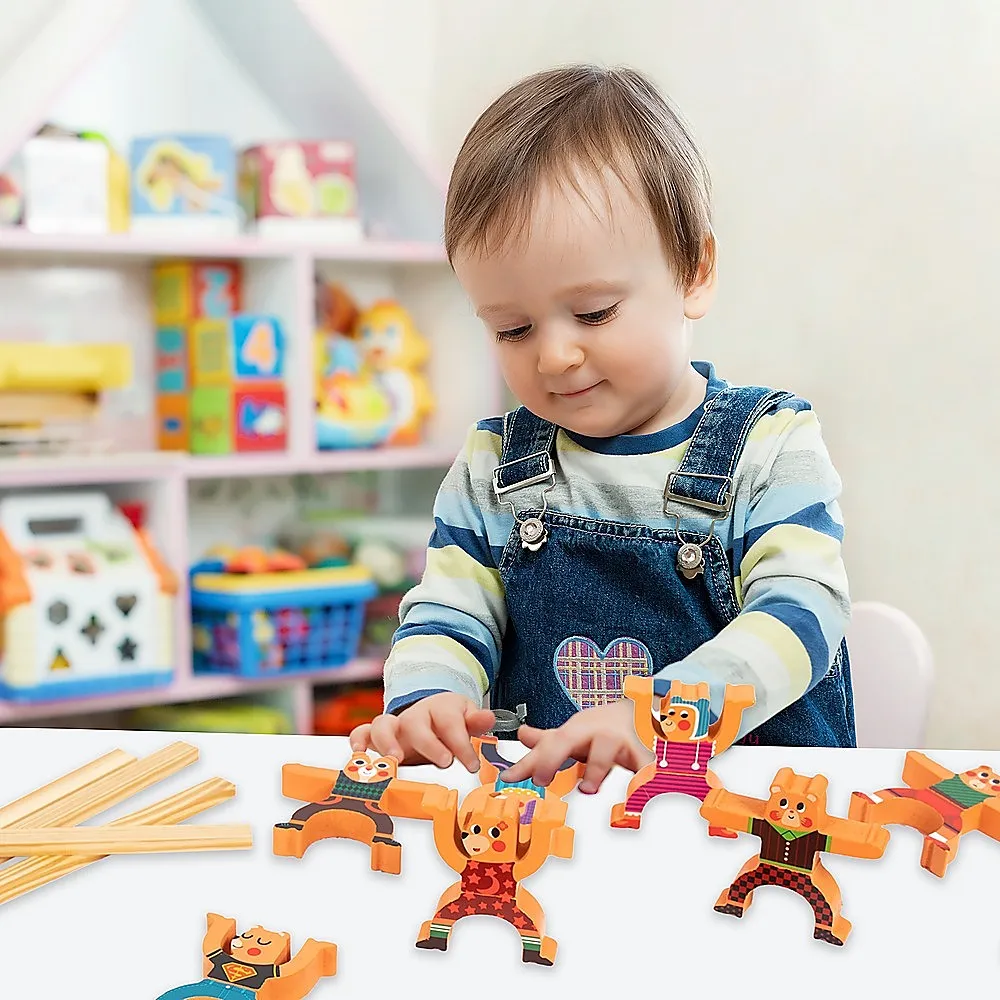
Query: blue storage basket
[[259, 625]]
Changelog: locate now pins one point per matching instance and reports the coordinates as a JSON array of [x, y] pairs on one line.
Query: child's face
[[590, 322]]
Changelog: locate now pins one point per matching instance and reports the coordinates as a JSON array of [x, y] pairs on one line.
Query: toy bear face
[[797, 802], [488, 831], [389, 338], [983, 779], [369, 770], [260, 946], [676, 723]]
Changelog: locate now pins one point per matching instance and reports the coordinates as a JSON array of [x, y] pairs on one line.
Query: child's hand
[[437, 729], [603, 737]]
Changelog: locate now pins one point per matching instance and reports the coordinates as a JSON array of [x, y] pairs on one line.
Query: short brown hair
[[554, 122]]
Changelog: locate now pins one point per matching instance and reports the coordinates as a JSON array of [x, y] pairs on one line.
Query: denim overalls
[[602, 592]]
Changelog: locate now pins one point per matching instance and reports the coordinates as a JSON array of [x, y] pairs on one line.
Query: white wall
[[857, 169]]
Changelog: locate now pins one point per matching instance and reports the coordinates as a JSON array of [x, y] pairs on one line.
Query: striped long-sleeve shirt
[[783, 539]]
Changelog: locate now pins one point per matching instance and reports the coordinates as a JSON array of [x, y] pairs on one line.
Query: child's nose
[[558, 353]]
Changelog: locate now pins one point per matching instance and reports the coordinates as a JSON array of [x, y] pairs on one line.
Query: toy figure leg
[[626, 815], [434, 933], [826, 902], [211, 988], [529, 920], [739, 896]]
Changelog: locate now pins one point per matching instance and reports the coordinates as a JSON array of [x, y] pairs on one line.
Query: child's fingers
[[361, 737], [450, 728], [605, 750], [384, 736], [479, 721], [529, 735], [425, 741], [541, 763]]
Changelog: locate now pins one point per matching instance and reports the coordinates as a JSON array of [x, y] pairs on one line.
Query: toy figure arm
[[853, 839], [307, 784], [989, 819], [441, 806], [547, 839], [639, 690], [452, 622], [737, 698], [312, 961], [919, 771], [406, 799], [792, 588], [732, 812], [219, 934]]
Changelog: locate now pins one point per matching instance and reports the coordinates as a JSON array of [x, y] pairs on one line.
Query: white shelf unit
[[270, 69]]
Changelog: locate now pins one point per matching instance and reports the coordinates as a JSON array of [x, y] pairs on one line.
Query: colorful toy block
[[794, 829], [943, 805], [211, 420], [261, 418], [173, 421], [183, 292]]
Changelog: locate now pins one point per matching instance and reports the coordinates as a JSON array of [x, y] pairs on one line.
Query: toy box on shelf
[[184, 184], [220, 372], [63, 181], [49, 393], [256, 616], [290, 189], [370, 386], [86, 600]]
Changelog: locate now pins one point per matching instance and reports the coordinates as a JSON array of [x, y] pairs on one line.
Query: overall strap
[[705, 476], [526, 458]]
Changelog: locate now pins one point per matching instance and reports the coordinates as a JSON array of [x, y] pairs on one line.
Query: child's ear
[[701, 293]]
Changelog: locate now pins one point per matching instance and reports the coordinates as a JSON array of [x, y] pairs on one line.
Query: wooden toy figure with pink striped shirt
[[683, 738]]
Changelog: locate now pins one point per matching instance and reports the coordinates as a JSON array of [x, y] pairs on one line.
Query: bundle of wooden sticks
[[42, 827]]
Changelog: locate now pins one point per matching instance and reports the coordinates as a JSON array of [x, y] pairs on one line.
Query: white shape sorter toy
[[86, 601]]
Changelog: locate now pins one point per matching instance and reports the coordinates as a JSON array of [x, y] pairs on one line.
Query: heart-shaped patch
[[592, 677], [126, 603]]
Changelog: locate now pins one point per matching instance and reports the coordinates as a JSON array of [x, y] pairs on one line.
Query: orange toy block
[[357, 803], [173, 422], [943, 805], [794, 829], [494, 846], [258, 961], [678, 731]]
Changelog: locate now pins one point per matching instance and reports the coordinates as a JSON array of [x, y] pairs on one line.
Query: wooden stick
[[113, 788], [33, 873], [28, 806], [125, 840]]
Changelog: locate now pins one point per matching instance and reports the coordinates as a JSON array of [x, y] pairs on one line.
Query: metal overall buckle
[[532, 530], [691, 555]]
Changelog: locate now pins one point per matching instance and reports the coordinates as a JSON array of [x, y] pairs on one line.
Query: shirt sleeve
[[790, 580], [453, 621]]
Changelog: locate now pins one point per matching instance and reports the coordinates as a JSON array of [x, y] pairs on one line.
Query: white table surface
[[629, 905]]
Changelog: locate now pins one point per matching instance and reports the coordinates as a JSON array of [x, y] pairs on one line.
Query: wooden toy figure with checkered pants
[[794, 829]]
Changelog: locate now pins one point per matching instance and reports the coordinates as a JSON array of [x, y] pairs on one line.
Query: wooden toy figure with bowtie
[[794, 829], [677, 727]]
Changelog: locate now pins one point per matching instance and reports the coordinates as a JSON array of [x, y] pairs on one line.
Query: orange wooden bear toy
[[357, 803], [794, 829], [943, 805], [683, 740], [256, 965], [494, 848]]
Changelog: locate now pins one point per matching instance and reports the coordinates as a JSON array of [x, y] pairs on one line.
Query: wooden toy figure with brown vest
[[794, 829], [256, 965], [357, 803], [943, 805], [683, 739], [493, 851]]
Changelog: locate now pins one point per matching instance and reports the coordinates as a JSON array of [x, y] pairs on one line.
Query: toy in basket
[[86, 599], [288, 620]]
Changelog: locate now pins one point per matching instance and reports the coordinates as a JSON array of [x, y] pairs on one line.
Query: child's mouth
[[579, 392]]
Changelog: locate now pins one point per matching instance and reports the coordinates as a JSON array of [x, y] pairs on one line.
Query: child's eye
[[599, 316], [517, 333]]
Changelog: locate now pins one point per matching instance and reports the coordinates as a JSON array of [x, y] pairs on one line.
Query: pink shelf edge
[[188, 688]]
